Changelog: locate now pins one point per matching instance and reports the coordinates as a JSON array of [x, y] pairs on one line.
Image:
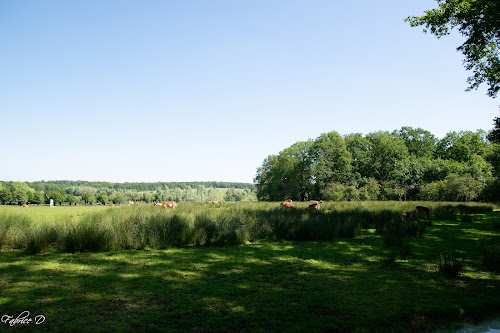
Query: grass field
[[261, 284]]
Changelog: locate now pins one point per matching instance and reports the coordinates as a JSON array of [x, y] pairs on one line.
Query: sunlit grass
[[262, 285]]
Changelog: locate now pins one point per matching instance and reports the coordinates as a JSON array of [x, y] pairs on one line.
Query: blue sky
[[132, 91]]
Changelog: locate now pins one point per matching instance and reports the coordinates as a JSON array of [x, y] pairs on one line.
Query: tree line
[[406, 164], [79, 192]]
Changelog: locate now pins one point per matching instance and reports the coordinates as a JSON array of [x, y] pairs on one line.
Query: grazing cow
[[408, 216], [209, 202], [130, 203], [169, 204], [423, 210], [316, 201], [288, 200], [112, 204], [215, 202], [157, 203], [26, 205], [285, 204], [314, 206]]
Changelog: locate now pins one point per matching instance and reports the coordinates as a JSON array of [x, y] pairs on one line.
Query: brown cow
[[157, 203], [169, 204], [408, 216], [26, 205], [288, 200], [285, 204], [208, 202], [315, 201], [314, 206], [423, 210]]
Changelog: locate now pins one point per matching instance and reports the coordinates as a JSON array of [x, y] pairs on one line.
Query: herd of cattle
[[314, 205], [406, 216]]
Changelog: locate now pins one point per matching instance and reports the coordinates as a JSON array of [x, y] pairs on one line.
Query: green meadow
[[249, 267]]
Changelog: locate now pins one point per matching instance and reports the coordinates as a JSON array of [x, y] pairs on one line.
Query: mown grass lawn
[[342, 285]]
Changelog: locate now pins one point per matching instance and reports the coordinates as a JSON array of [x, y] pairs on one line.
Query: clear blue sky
[[130, 90]]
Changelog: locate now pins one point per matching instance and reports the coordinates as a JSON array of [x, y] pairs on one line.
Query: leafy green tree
[[71, 199], [409, 174], [118, 198], [360, 149], [88, 198], [102, 198], [494, 134], [58, 197], [462, 187], [37, 197], [462, 146], [333, 191], [386, 150], [331, 160], [369, 189], [265, 180], [233, 195], [479, 22], [434, 191], [19, 192], [5, 196], [420, 143], [494, 159]]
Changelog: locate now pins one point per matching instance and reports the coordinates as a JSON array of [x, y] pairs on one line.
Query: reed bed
[[194, 224]]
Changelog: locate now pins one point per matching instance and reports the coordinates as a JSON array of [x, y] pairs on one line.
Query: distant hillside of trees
[[136, 186], [84, 192], [406, 164]]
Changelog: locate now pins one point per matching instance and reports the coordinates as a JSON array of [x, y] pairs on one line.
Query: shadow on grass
[[261, 287]]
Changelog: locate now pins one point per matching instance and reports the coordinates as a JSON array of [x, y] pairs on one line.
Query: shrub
[[449, 264]]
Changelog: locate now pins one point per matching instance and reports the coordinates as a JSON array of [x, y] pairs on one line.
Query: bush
[[449, 264]]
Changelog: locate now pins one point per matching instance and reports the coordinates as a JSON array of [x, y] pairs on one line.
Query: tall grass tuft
[[491, 257], [41, 239], [88, 237], [449, 264], [448, 212]]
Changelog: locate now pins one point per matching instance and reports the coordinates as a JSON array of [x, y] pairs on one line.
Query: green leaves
[[479, 22]]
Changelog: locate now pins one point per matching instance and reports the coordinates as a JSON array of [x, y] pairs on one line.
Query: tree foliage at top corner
[[479, 22]]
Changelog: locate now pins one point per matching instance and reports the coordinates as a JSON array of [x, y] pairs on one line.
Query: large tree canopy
[[479, 22], [406, 164]]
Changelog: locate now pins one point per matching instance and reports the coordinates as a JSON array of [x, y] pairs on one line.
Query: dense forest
[[406, 164], [82, 192]]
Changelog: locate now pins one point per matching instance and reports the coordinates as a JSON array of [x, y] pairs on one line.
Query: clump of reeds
[[491, 257], [41, 239], [448, 212], [449, 264]]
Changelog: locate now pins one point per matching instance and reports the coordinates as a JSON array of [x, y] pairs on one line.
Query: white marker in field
[[51, 202]]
